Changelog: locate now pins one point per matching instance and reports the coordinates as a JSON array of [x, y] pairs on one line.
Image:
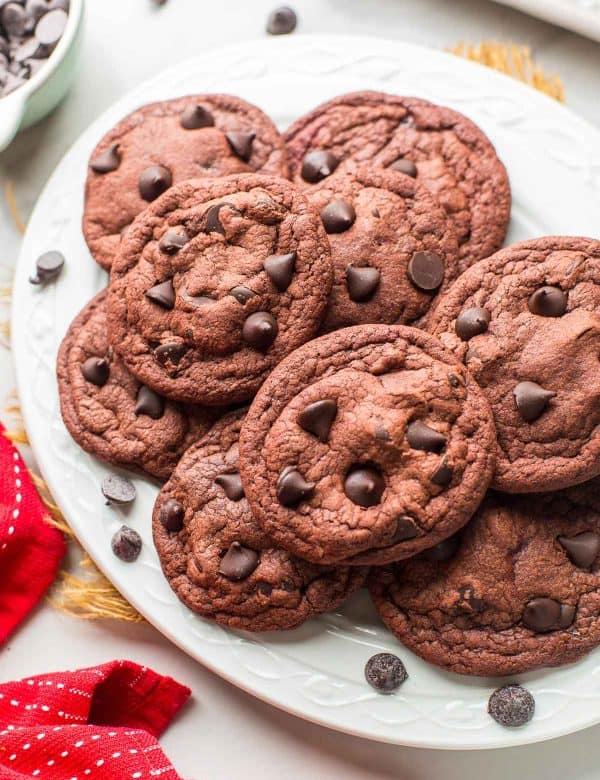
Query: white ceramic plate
[[316, 671], [582, 16]]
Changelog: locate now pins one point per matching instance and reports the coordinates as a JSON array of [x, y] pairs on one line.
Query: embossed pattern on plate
[[553, 159]]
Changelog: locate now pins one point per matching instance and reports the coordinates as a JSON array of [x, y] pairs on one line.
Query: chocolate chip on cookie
[[526, 322], [436, 146], [166, 143], [216, 557], [342, 448], [207, 323]]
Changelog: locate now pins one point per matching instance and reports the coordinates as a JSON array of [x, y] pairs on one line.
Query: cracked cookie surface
[[215, 283], [440, 147], [518, 589], [109, 413], [166, 143], [526, 322], [366, 446], [216, 557]]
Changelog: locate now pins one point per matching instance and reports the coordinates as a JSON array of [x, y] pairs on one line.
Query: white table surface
[[224, 733]]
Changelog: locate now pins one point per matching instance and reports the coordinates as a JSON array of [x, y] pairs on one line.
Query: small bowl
[[44, 91]]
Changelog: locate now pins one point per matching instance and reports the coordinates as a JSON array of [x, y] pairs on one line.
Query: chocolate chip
[[126, 544], [238, 562], [47, 267], [282, 21], [149, 403], [362, 282], [163, 294], [212, 221], [30, 48], [472, 322], [338, 216], [548, 302], [405, 166], [385, 672], [232, 485], [318, 165], [317, 418], [264, 588], [50, 27], [421, 437], [241, 294], [154, 181], [468, 601], [172, 241], [444, 550], [241, 144], [260, 330], [364, 486], [531, 400], [292, 488], [118, 490], [96, 370], [582, 548], [405, 529], [545, 614], [195, 117], [442, 476], [171, 515], [107, 161], [170, 353], [14, 20], [426, 271], [280, 269], [511, 705]]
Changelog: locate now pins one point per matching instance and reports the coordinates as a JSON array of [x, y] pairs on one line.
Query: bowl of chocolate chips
[[39, 42]]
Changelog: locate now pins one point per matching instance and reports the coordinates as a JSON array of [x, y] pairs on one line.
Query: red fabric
[[30, 549], [99, 723]]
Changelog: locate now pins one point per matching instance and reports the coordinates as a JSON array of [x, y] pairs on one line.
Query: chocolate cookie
[[215, 283], [392, 246], [166, 143], [109, 413], [527, 324], [518, 589], [439, 147], [218, 560], [366, 446]]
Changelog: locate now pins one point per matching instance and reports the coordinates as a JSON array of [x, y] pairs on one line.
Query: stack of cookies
[[313, 341]]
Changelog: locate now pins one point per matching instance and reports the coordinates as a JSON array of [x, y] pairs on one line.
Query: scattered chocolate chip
[[442, 476], [96, 370], [364, 486], [421, 437], [163, 294], [107, 161], [50, 27], [118, 490], [385, 672], [426, 271], [212, 221], [195, 117], [381, 434], [443, 550], [317, 418], [454, 381], [126, 544], [472, 322], [14, 20], [170, 353], [362, 282], [47, 267], [154, 181], [318, 165], [280, 269], [375, 212], [405, 166], [405, 529], [338, 216], [282, 21], [172, 241], [29, 49], [241, 294], [264, 588], [238, 562], [260, 330], [468, 601], [197, 300], [511, 705], [171, 515], [548, 302], [149, 403], [582, 549], [292, 488], [232, 485], [531, 400], [545, 614], [241, 144]]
